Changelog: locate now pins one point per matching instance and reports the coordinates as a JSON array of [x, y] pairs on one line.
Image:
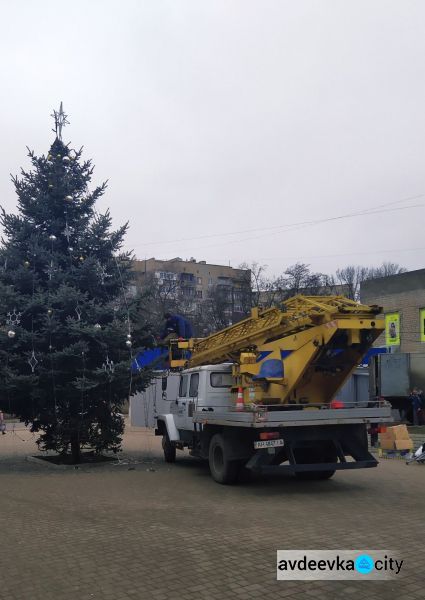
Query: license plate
[[268, 444]]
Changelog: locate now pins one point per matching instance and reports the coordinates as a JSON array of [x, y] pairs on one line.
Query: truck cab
[[204, 389]]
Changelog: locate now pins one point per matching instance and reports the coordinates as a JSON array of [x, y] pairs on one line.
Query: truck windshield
[[221, 380]]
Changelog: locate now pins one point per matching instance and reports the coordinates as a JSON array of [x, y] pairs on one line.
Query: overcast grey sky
[[230, 116]]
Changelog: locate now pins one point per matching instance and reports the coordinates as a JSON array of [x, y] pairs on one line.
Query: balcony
[[225, 281], [187, 278]]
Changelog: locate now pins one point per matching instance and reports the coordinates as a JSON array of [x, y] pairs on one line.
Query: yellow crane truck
[[262, 393]]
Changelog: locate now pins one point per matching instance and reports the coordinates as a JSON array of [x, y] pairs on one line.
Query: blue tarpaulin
[[373, 352], [155, 358]]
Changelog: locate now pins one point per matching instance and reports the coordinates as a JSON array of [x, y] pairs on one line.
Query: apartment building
[[193, 282]]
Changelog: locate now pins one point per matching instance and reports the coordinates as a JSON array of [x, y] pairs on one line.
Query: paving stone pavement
[[141, 529]]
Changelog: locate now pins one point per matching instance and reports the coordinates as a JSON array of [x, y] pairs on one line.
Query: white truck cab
[[204, 389]]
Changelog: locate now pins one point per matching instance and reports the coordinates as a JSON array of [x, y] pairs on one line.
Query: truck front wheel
[[222, 469], [169, 449]]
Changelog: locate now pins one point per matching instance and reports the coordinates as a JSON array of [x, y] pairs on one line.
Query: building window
[[199, 293], [199, 280], [165, 275], [188, 292]]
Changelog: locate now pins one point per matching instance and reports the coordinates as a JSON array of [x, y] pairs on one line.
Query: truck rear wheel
[[169, 449], [314, 456], [222, 469]]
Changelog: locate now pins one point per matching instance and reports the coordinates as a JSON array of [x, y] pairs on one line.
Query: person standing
[[416, 403], [421, 411], [2, 424]]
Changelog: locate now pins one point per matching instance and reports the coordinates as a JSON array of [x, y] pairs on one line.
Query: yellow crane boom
[[301, 352]]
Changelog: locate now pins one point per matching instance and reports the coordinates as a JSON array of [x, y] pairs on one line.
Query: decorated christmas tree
[[68, 327]]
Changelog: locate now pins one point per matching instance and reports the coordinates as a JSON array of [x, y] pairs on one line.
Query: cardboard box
[[389, 444], [404, 444], [398, 432], [386, 444], [401, 432]]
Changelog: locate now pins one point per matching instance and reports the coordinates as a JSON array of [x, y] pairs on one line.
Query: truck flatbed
[[293, 418]]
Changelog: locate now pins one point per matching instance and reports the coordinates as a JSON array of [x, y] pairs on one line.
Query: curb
[[42, 462], [80, 466]]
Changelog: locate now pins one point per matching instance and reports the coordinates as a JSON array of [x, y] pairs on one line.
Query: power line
[[295, 227], [368, 211], [363, 252], [309, 224]]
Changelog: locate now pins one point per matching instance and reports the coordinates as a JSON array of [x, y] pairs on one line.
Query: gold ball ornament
[[58, 156], [11, 334], [49, 311], [128, 344], [66, 159], [27, 264], [81, 258], [51, 186], [69, 198]]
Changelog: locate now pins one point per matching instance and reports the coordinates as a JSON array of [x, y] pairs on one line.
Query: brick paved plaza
[[144, 529]]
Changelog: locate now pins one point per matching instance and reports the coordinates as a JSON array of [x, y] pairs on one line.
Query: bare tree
[[258, 281], [296, 279], [301, 280], [221, 308], [351, 277], [386, 270], [330, 286], [214, 312], [160, 295], [243, 292]]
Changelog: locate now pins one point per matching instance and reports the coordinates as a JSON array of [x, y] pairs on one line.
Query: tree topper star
[[60, 121]]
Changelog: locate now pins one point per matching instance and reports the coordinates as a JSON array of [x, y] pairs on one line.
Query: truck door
[[185, 403], [192, 399], [178, 408]]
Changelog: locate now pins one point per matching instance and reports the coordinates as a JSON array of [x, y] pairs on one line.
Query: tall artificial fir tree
[[67, 333]]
